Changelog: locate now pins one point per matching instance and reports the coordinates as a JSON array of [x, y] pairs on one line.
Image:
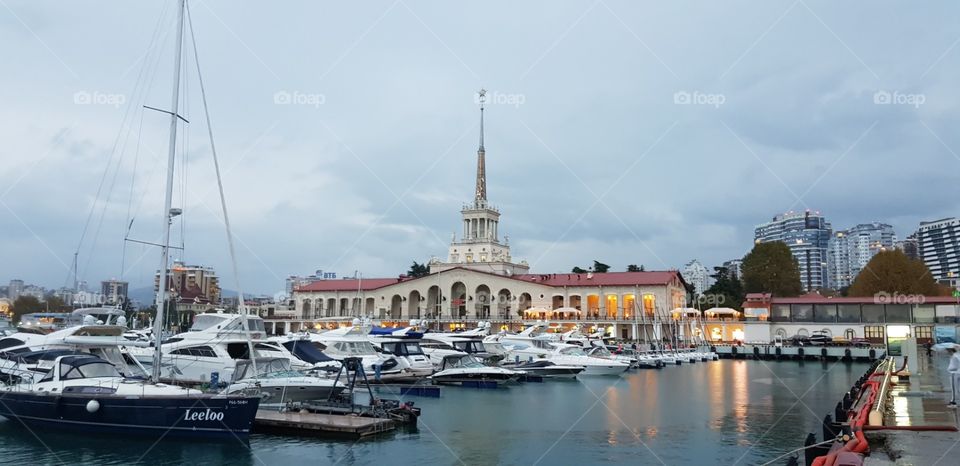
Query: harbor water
[[721, 412]]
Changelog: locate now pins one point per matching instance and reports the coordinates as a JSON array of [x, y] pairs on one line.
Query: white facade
[[940, 248], [850, 250], [697, 275]]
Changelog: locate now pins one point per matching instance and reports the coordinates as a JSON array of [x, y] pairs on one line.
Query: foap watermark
[[98, 98], [707, 300], [499, 98], [884, 97], [698, 98], [299, 98], [898, 298]]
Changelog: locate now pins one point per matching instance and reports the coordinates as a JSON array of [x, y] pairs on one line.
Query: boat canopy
[[305, 350], [685, 312], [722, 312], [394, 332]]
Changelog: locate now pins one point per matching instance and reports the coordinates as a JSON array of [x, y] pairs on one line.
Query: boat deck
[[335, 425]]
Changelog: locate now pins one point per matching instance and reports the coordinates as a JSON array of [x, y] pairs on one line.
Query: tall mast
[[168, 195], [480, 197]]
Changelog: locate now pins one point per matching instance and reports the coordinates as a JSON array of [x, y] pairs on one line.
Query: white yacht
[[32, 352], [465, 369], [210, 348], [404, 345], [276, 383], [603, 353], [353, 341], [573, 355]]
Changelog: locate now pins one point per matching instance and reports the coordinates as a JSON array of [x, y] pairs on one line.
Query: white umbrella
[[944, 346]]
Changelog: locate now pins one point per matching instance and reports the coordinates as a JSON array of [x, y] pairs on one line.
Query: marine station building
[[481, 281]]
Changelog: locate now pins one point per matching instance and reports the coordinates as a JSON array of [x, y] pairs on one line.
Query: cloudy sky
[[630, 132]]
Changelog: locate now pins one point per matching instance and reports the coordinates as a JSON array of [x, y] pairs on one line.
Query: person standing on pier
[[954, 370]]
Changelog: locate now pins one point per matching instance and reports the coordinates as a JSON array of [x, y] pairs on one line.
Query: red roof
[[552, 279], [366, 284]]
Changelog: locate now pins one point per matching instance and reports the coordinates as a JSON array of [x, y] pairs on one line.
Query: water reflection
[[704, 413]]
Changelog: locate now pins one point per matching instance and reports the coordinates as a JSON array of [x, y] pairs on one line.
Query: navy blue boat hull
[[153, 416]]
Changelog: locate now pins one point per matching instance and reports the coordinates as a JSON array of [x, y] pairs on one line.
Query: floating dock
[[332, 425], [814, 352]]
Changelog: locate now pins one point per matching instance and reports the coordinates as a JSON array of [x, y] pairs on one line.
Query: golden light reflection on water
[[741, 395]]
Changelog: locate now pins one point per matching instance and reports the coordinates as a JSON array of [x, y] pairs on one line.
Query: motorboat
[[548, 369], [404, 345], [573, 355], [276, 383], [86, 392], [208, 351], [25, 352], [603, 353], [465, 368], [467, 343], [352, 341], [438, 350]]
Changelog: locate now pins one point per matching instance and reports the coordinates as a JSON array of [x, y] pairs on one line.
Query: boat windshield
[[469, 346], [467, 362], [599, 351], [403, 348], [573, 351], [88, 370], [355, 347], [542, 344]]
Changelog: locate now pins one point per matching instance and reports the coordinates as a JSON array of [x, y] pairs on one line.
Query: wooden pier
[[332, 425]]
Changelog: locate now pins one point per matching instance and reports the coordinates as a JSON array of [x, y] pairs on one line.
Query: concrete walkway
[[920, 402]]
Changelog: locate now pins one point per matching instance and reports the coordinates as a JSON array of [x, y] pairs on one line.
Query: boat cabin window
[[200, 351], [10, 342], [402, 348], [469, 346], [255, 325], [205, 321]]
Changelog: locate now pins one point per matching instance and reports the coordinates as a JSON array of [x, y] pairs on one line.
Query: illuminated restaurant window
[[649, 303]]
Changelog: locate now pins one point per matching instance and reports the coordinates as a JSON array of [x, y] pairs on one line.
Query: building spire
[[480, 197]]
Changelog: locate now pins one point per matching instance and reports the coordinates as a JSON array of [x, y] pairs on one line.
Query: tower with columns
[[479, 246]]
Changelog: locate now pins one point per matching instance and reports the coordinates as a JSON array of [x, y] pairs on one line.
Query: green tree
[[600, 267], [634, 268], [771, 268], [54, 303], [26, 304], [726, 290], [418, 270], [578, 270], [893, 272]]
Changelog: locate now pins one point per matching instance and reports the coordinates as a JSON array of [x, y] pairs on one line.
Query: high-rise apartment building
[[807, 234]]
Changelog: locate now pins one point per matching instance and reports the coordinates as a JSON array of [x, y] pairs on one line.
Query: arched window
[[849, 334]]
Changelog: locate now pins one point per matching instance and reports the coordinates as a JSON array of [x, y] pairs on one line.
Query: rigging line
[[150, 66], [133, 178], [113, 150], [125, 124], [241, 301]]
